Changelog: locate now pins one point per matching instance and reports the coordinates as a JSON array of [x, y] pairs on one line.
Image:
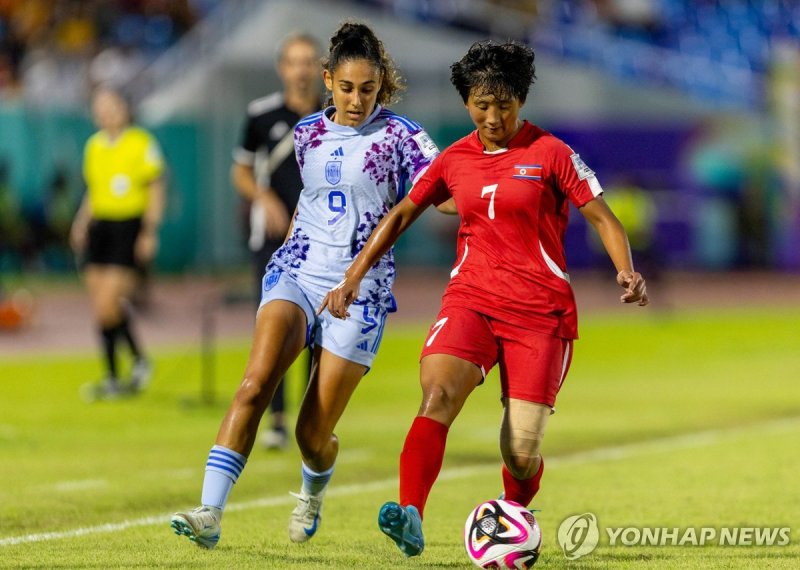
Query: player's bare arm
[[244, 180], [291, 225], [383, 237], [147, 241], [276, 218], [80, 226], [615, 241]]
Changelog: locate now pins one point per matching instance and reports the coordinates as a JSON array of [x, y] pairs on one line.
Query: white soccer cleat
[[306, 516], [275, 438], [141, 373], [107, 389], [201, 525]]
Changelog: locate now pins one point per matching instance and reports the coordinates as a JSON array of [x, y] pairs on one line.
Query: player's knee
[[254, 391], [438, 400]]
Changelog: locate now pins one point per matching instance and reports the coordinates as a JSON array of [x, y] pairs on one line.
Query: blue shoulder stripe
[[405, 121], [313, 118]]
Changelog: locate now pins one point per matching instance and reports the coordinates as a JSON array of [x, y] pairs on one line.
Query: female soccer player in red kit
[[509, 301]]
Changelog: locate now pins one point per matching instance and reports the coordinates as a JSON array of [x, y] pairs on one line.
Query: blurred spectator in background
[[117, 229], [36, 234], [266, 175], [59, 210], [731, 162], [58, 50], [631, 17], [16, 309], [13, 232], [116, 65], [10, 88], [636, 210]]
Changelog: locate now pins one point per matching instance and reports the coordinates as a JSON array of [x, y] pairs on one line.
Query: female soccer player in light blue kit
[[355, 159]]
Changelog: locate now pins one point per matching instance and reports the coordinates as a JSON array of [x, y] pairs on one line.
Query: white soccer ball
[[502, 534]]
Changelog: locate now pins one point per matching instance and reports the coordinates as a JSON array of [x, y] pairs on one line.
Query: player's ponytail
[[354, 40]]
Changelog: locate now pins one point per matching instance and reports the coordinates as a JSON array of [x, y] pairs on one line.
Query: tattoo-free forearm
[[615, 241], [383, 237], [155, 206]]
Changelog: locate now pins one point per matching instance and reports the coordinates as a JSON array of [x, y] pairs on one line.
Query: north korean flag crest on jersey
[[527, 171]]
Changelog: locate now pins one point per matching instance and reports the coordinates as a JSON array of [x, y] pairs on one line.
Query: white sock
[[222, 470], [314, 483]]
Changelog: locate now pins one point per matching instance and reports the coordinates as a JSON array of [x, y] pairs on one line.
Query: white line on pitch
[[611, 453]]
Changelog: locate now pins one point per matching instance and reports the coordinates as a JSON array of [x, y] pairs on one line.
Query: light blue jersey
[[351, 178]]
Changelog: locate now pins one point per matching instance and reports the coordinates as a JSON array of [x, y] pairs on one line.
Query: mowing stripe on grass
[[346, 456], [610, 453]]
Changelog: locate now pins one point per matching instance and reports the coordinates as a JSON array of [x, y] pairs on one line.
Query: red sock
[[522, 491], [421, 461]]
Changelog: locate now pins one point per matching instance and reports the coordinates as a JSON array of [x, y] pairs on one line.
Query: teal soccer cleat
[[404, 526]]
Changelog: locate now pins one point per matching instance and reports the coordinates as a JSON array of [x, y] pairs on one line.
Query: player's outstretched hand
[[339, 298], [635, 287]]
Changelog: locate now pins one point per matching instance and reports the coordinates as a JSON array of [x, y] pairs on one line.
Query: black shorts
[[112, 242]]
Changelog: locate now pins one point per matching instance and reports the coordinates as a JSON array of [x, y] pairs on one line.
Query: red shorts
[[533, 365]]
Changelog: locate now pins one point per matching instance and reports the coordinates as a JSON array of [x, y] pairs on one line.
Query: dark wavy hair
[[354, 40], [504, 70]]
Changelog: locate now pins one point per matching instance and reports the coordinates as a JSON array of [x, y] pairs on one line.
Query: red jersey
[[510, 262]]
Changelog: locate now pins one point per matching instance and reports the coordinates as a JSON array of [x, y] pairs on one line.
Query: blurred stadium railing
[[694, 104]]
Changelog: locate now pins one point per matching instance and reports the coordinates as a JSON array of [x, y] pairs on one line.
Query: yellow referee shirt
[[118, 173]]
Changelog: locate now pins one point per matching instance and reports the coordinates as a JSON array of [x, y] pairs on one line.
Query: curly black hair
[[504, 70], [354, 40]]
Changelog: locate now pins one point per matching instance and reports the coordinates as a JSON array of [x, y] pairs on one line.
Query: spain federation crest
[[271, 279], [333, 171]]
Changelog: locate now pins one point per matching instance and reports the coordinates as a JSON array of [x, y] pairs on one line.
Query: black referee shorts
[[111, 242]]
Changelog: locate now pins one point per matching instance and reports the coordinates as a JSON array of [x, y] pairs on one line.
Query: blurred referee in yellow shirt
[[116, 229]]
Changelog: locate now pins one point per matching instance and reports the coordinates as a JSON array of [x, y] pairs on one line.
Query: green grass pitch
[[683, 420]]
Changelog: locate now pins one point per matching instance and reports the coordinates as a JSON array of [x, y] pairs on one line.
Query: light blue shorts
[[356, 338]]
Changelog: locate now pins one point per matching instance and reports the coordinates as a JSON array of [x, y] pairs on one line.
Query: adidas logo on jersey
[[363, 345], [338, 152]]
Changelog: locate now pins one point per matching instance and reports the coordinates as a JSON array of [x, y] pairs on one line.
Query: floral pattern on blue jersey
[[308, 137], [369, 222], [380, 293], [380, 161], [293, 253]]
